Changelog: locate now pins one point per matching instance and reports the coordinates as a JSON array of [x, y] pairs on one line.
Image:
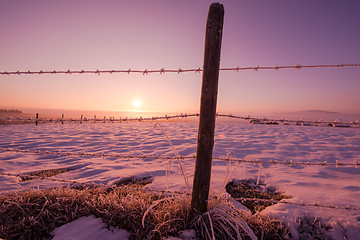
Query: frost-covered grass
[[34, 214], [249, 189], [42, 174]]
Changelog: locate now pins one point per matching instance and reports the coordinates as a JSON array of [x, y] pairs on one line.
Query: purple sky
[[61, 35]]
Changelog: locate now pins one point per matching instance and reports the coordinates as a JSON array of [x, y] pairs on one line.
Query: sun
[[137, 103]]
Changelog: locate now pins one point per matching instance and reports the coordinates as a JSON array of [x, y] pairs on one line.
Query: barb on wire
[[179, 70]]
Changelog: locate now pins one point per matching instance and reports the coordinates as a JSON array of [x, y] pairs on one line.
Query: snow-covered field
[[328, 185]]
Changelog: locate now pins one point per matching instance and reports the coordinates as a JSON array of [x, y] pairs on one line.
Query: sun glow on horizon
[[137, 103]]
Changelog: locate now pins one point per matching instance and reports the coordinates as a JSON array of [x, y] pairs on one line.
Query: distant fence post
[[37, 117], [213, 37]]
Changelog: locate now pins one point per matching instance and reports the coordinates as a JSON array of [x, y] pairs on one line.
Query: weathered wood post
[[37, 117], [209, 90]]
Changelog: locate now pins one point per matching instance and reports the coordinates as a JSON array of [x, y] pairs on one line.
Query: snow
[[88, 228], [308, 184]]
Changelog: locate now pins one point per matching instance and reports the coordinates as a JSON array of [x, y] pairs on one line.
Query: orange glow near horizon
[[83, 35]]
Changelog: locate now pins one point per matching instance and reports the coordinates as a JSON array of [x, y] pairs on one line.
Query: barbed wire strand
[[300, 122], [180, 70], [111, 119], [338, 163]]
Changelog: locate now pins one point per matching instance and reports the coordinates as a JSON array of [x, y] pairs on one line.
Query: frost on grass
[[313, 228], [249, 189], [133, 181], [34, 214], [42, 174]]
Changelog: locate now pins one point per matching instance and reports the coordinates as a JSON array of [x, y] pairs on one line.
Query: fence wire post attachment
[[205, 144]]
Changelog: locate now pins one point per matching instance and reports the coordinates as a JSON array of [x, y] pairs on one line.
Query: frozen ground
[[339, 187]]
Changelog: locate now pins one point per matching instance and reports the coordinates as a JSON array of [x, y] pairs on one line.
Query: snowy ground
[[308, 184]]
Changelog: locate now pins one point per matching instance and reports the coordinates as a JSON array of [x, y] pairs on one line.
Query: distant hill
[[11, 111], [318, 112]]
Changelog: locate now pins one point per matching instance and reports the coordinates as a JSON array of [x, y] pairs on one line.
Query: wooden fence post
[[213, 37], [37, 117]]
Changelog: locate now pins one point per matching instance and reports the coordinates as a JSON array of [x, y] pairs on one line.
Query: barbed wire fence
[[194, 70], [253, 120]]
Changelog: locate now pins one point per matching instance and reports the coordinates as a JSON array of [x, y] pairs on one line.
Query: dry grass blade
[[152, 206], [211, 225], [229, 173], [181, 165]]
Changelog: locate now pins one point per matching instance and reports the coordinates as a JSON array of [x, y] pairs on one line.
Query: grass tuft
[[42, 174], [137, 182], [33, 214], [249, 189]]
